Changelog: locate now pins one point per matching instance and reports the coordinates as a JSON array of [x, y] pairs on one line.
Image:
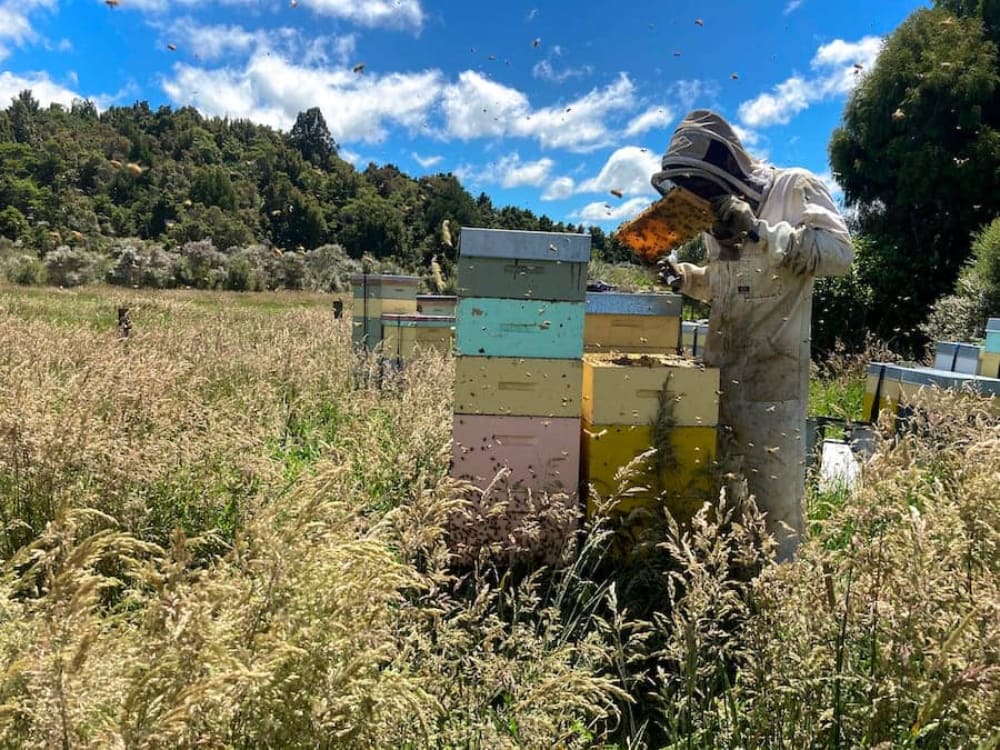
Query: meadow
[[228, 531]]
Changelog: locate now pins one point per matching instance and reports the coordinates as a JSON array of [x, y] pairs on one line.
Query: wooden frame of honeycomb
[[678, 217]]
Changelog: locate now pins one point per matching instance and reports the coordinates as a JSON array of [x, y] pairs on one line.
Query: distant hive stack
[[693, 337], [518, 379], [374, 296], [641, 323], [634, 403], [955, 357], [989, 362]]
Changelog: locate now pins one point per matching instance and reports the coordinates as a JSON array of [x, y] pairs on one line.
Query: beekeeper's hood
[[705, 156]]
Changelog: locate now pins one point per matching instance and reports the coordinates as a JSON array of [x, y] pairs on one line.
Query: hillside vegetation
[[167, 198]]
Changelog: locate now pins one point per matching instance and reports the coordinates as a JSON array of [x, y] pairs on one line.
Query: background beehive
[[693, 337], [374, 296], [956, 357], [519, 339], [992, 345], [437, 304]]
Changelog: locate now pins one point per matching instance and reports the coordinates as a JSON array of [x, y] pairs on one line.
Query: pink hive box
[[542, 453]]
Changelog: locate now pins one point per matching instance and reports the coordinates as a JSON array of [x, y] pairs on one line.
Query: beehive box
[[626, 390], [518, 387], [542, 454], [956, 357], [437, 304], [989, 364], [882, 383], [693, 337], [681, 473], [992, 344], [404, 335], [642, 323], [514, 328], [375, 295], [508, 264], [385, 287]]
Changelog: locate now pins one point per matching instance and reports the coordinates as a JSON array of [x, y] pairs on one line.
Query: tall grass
[[226, 531]]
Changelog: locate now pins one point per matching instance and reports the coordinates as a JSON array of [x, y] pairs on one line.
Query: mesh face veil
[[706, 157]]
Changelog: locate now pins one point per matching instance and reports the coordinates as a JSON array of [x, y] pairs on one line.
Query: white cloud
[[605, 212], [545, 70], [391, 14], [426, 161], [628, 169], [272, 90], [211, 42], [691, 92], [15, 25], [43, 88], [648, 120], [792, 6], [476, 107], [835, 75], [558, 189], [512, 172]]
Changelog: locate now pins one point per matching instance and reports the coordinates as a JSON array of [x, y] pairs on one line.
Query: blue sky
[[544, 105]]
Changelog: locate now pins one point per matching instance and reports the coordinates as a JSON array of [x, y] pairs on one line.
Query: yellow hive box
[[686, 474], [508, 386], [627, 389], [989, 364], [645, 334], [404, 342]]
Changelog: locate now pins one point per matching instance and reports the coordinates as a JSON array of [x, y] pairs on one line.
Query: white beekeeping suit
[[761, 298]]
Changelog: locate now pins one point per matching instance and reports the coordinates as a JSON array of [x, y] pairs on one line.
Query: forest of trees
[[170, 198]]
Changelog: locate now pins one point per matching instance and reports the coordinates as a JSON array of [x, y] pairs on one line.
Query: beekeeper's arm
[[694, 281], [812, 239]]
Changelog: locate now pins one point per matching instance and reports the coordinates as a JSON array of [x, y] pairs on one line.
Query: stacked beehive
[[956, 357], [693, 337], [633, 403], [374, 296], [518, 379], [989, 363]]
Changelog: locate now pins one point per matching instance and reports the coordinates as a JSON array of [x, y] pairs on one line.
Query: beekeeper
[[775, 231]]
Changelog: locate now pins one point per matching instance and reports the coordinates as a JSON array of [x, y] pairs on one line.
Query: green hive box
[[510, 264]]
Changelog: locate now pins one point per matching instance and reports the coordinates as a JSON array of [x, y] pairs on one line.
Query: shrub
[[26, 270], [69, 267]]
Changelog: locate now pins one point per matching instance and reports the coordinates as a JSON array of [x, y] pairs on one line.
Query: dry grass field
[[227, 532]]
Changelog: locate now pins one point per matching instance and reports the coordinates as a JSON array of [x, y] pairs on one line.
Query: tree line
[[168, 197]]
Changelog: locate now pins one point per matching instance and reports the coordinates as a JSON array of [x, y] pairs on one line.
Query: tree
[[918, 155], [311, 137], [23, 113], [371, 225]]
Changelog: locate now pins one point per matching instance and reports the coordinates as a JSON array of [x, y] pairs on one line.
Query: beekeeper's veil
[[706, 157]]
